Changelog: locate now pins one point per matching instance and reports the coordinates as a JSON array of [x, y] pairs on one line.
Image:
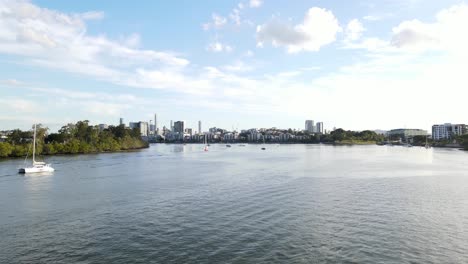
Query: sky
[[234, 64]]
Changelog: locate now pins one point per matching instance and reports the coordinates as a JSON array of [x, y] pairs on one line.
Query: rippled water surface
[[287, 204]]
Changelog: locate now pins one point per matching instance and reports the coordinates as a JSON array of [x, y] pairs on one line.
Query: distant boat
[[241, 145], [206, 144], [36, 165], [427, 146], [228, 146]]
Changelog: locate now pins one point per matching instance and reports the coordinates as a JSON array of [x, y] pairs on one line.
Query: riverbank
[[337, 143], [77, 153], [79, 138]]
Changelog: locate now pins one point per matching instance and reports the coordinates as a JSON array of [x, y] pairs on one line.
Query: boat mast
[[34, 145]]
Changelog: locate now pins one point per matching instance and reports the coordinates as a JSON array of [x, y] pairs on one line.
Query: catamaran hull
[[36, 170]]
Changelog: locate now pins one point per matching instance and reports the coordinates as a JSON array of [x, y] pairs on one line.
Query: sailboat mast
[[34, 145]]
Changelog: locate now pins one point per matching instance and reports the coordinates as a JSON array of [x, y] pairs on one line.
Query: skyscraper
[[143, 128], [172, 126], [319, 127], [309, 126], [179, 127], [155, 123], [199, 127], [121, 121]]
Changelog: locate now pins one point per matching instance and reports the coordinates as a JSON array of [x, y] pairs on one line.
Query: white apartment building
[[448, 131]]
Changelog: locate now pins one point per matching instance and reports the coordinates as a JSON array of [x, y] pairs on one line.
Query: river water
[[285, 204]]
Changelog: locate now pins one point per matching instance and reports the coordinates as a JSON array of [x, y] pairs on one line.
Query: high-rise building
[[155, 123], [172, 126], [189, 131], [141, 126], [179, 127], [319, 127], [199, 127], [121, 121], [102, 127], [448, 131], [144, 128], [309, 126]]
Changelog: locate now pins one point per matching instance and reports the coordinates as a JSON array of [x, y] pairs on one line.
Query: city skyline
[[249, 63]]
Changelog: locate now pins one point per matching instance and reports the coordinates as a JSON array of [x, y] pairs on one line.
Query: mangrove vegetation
[[72, 139]]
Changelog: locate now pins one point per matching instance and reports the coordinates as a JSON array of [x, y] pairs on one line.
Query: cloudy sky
[[245, 63]]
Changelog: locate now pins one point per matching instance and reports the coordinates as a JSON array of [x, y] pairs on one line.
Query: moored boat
[[36, 166]]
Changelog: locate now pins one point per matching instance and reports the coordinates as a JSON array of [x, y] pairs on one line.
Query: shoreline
[[79, 153], [224, 143]]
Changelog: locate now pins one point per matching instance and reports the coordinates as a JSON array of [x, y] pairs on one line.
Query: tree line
[[72, 139], [335, 137]]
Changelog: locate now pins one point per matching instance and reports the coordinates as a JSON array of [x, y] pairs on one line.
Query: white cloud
[[218, 22], [19, 105], [60, 41], [378, 17], [415, 36], [219, 47], [11, 82], [446, 33], [100, 108], [383, 77], [92, 15], [354, 30], [238, 66], [318, 29], [372, 18], [371, 44], [132, 41], [79, 95], [235, 16], [289, 74], [34, 32], [249, 53], [255, 3]]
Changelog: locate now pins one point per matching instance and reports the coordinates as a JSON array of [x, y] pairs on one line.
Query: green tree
[[463, 141], [5, 149], [20, 150], [49, 149], [72, 146]]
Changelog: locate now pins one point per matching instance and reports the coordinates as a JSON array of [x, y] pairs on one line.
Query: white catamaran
[[36, 166]]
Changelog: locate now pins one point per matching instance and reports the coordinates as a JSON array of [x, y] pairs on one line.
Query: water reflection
[[289, 204], [35, 186]]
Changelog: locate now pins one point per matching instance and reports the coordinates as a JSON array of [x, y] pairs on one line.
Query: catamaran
[[36, 165]]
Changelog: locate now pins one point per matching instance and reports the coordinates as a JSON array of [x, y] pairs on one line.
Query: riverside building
[[448, 131], [406, 133]]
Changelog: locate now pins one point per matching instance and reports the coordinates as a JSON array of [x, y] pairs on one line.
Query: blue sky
[[252, 63]]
